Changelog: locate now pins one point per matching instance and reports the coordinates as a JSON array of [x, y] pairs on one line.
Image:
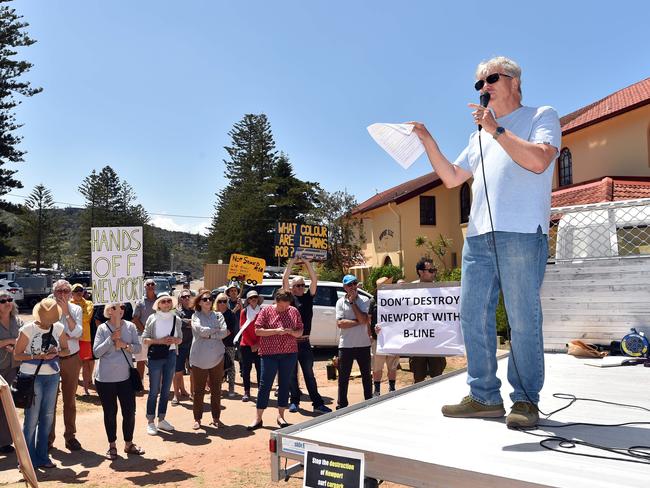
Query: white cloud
[[168, 223]]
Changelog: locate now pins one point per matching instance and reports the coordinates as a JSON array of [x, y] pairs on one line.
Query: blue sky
[[152, 87]]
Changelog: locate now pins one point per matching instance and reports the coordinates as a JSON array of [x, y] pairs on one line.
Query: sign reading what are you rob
[[116, 255], [304, 240], [419, 319]]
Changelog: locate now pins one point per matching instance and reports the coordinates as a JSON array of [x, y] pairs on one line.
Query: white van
[[324, 332]]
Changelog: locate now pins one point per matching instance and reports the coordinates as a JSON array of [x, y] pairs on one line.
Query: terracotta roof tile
[[606, 189], [622, 101], [399, 193]]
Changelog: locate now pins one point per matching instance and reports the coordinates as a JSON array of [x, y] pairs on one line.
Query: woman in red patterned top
[[277, 326]]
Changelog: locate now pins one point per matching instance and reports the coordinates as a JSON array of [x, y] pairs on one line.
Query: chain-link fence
[[600, 230]]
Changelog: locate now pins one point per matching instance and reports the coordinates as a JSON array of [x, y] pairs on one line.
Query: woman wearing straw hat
[[115, 343], [39, 345], [10, 325], [162, 334]]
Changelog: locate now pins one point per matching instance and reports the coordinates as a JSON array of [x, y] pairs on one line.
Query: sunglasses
[[490, 79], [77, 291], [299, 285], [66, 290], [429, 270], [184, 296], [253, 298], [150, 284], [165, 301], [121, 307], [6, 300], [206, 299], [222, 301]]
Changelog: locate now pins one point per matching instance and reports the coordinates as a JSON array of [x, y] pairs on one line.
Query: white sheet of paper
[[399, 141]]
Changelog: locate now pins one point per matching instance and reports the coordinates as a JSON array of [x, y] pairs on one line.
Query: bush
[[327, 274], [375, 273]]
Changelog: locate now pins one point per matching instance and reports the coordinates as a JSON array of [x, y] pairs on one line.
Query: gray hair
[[505, 65], [60, 283], [14, 308]]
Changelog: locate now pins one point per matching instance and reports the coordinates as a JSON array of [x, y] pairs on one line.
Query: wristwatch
[[500, 130]]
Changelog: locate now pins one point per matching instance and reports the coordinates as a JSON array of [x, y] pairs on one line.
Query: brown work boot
[[469, 408], [523, 415]]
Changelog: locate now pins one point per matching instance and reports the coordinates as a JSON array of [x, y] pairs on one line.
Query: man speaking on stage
[[511, 158]]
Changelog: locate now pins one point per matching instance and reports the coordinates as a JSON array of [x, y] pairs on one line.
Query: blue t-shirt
[[520, 199]]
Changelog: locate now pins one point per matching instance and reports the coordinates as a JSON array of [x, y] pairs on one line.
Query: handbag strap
[[125, 358]]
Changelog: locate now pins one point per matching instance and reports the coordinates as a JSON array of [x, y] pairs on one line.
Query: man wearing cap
[[71, 320], [423, 366], [378, 360], [354, 344], [304, 302], [143, 309], [85, 342]]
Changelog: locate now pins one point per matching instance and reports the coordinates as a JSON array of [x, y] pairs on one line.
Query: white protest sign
[[419, 319], [116, 256]]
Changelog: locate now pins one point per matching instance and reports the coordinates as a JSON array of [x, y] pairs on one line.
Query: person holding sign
[[115, 343], [39, 346], [354, 344], [277, 326], [506, 246], [304, 302]]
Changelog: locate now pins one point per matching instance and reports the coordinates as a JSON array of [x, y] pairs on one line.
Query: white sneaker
[[152, 429], [164, 425]]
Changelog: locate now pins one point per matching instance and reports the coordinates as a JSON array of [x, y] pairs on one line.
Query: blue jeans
[[158, 368], [522, 260], [282, 365], [306, 361], [38, 418]]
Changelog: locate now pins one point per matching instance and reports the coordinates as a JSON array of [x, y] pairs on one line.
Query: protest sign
[[332, 468], [116, 256], [301, 240], [419, 319], [246, 269]]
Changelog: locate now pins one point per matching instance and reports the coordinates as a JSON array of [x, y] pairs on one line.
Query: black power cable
[[632, 454]]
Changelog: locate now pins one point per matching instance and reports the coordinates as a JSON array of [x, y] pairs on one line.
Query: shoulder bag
[[134, 376], [160, 351]]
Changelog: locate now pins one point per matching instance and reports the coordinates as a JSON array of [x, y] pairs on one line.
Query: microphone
[[484, 100]]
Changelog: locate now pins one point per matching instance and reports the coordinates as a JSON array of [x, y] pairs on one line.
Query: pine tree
[[12, 37], [39, 232]]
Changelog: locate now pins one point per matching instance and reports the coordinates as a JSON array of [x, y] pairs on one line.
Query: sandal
[[111, 453], [133, 449]]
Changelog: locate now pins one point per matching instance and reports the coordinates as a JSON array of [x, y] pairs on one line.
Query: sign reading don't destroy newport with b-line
[[419, 319], [116, 255]]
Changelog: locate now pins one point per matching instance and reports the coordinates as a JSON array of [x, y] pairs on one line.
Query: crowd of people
[[205, 333]]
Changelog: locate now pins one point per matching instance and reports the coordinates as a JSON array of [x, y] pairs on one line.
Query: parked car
[[13, 288], [162, 284], [324, 332]]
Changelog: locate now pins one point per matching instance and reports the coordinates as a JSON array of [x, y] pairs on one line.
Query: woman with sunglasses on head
[[10, 325], [278, 326], [162, 334], [232, 323], [115, 343], [184, 311], [206, 357], [249, 342]]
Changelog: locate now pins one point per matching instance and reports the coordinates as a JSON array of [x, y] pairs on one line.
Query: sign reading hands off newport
[[419, 319], [116, 256]]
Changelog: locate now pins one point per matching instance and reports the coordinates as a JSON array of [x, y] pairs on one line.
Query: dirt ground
[[228, 457]]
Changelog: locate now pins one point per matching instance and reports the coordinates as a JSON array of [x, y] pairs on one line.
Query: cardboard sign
[[419, 319], [24, 461], [116, 256], [246, 269], [333, 468], [301, 240]]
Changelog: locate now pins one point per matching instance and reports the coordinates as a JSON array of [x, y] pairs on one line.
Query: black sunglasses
[[150, 284], [491, 80], [6, 300], [299, 285], [222, 301], [206, 299], [121, 307]]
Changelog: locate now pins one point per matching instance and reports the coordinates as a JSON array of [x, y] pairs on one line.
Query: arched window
[[465, 203], [565, 168]]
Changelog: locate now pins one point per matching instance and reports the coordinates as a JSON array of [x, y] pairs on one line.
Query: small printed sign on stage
[[116, 255], [419, 319], [295, 446], [333, 468], [305, 240], [246, 269]]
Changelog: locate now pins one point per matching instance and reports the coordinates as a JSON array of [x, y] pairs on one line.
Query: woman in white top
[[39, 345], [162, 334]]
